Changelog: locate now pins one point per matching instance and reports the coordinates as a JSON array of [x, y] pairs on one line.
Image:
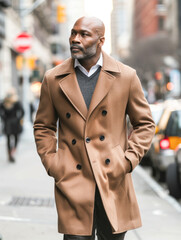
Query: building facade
[[11, 76], [153, 17], [121, 28], [156, 36]]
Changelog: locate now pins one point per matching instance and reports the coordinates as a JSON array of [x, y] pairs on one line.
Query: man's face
[[84, 40]]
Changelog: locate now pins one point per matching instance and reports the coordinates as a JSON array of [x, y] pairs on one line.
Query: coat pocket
[[115, 169], [56, 170], [122, 160]]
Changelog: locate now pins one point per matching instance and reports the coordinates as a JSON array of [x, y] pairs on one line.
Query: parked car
[[173, 175], [156, 110], [166, 139]]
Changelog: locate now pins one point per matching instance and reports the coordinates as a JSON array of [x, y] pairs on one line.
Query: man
[[91, 94]]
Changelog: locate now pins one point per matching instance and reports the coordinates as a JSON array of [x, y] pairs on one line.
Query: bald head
[[93, 23]]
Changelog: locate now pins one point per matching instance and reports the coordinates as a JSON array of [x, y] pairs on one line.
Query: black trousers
[[101, 225], [12, 141]]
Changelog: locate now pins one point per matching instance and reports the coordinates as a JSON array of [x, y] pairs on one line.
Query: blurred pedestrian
[[32, 111], [11, 112], [91, 94]]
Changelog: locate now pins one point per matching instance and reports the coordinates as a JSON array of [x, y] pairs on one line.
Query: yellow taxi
[[166, 139]]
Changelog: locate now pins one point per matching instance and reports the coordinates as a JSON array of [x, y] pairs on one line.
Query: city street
[[27, 209], [128, 47]]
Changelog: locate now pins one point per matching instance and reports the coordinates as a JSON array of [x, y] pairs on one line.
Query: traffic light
[[31, 62], [19, 62], [61, 14], [170, 86], [158, 76]]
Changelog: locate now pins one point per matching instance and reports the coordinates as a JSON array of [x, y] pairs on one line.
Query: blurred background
[[144, 34], [34, 37]]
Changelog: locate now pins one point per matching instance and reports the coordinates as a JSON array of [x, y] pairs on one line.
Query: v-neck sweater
[[87, 84]]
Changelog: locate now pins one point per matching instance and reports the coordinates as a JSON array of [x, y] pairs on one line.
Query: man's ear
[[101, 41]]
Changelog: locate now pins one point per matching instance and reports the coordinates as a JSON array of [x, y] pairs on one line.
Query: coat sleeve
[[45, 127], [142, 122]]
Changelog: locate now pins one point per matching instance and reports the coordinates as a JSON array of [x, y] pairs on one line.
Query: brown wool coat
[[82, 159]]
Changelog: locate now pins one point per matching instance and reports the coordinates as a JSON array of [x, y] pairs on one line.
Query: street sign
[[23, 42]]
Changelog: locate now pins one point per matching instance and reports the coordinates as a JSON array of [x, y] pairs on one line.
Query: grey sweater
[[87, 84]]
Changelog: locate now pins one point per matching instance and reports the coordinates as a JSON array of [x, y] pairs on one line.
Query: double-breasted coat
[[93, 144]]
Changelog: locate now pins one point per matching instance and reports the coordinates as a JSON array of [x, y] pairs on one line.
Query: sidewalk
[[27, 209]]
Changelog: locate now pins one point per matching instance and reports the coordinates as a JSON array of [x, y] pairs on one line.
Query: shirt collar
[[99, 63]]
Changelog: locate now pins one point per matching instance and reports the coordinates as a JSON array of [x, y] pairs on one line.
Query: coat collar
[[67, 67], [71, 89]]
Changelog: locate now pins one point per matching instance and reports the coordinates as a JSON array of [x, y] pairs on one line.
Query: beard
[[83, 53]]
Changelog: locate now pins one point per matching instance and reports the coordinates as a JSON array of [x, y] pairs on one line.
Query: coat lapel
[[70, 86], [71, 89], [103, 85]]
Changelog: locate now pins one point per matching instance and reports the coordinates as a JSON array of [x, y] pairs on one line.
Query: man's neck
[[88, 63]]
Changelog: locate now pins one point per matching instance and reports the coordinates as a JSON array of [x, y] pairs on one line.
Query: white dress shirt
[[93, 68]]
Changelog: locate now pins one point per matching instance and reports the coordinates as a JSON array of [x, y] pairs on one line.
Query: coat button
[[88, 140], [73, 141], [104, 112], [79, 167], [68, 115], [102, 137], [107, 161]]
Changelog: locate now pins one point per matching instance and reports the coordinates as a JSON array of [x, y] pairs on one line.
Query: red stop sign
[[23, 42]]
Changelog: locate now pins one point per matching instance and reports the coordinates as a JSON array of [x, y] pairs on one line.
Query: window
[[161, 23], [160, 1], [174, 124]]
